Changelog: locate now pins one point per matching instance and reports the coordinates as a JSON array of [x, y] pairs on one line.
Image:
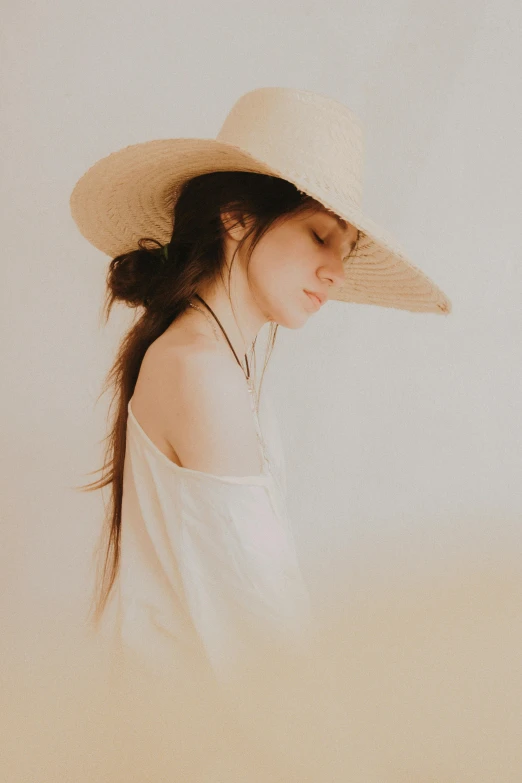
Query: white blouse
[[208, 565]]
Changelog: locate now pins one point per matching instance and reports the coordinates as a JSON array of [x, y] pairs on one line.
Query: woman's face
[[304, 253]]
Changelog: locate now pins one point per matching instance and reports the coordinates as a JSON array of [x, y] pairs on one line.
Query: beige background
[[402, 431]]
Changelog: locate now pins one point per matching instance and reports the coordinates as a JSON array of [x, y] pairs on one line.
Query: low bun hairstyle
[[160, 282], [134, 277]]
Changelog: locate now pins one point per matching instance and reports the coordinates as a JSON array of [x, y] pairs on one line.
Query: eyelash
[[321, 241]]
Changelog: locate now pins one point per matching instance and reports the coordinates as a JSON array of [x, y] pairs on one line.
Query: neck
[[242, 323]]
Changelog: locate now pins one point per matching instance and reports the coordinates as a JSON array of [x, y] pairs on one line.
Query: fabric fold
[[208, 564]]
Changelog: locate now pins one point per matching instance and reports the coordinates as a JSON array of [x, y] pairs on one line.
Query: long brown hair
[[161, 281]]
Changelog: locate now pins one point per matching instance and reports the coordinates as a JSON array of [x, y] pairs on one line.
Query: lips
[[316, 297]]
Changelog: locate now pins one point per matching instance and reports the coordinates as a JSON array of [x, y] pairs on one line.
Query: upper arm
[[207, 414]]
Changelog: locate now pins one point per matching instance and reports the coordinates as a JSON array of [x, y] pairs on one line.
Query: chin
[[290, 318], [294, 320]]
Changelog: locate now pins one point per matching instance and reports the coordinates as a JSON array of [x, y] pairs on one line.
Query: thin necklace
[[249, 379], [254, 400]]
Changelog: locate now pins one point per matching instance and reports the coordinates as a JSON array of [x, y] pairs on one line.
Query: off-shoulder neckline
[[260, 479]]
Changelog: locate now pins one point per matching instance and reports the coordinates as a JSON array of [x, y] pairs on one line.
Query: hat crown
[[310, 140], [305, 136]]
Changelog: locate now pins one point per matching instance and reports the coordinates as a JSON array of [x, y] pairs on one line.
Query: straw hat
[[306, 138]]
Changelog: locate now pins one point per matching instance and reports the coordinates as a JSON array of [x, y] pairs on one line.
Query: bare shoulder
[[192, 400]]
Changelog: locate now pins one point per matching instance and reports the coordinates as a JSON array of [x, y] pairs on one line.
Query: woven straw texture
[[306, 138]]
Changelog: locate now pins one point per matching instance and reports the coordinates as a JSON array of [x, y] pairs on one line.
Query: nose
[[334, 273]]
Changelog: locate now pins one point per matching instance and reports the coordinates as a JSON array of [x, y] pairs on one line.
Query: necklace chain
[[249, 379], [254, 399]]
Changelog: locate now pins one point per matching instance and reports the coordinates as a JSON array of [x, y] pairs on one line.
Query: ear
[[234, 224]]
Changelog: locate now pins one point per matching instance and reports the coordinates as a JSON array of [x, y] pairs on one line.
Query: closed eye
[[321, 241]]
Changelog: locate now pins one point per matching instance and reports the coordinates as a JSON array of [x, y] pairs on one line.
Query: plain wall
[[402, 430]]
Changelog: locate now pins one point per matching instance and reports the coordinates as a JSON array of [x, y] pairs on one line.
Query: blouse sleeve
[[239, 569]]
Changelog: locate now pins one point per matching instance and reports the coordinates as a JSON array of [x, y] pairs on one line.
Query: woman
[[261, 225]]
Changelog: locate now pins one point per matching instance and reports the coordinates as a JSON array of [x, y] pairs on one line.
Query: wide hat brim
[[130, 194]]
